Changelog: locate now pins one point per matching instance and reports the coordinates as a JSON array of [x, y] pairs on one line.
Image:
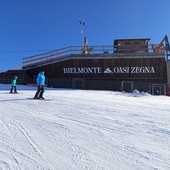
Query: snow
[[83, 130]]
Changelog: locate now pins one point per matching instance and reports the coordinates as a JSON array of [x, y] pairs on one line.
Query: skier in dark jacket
[[40, 80], [13, 85]]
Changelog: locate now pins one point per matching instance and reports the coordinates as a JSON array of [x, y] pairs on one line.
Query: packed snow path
[[84, 130]]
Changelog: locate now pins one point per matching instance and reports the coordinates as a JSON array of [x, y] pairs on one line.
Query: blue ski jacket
[[40, 79], [14, 82]]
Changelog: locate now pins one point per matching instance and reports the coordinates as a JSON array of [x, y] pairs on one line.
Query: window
[[128, 43], [137, 43]]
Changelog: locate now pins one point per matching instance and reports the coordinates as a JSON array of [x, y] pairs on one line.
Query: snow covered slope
[[80, 130]]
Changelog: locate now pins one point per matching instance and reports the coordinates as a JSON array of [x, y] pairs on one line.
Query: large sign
[[108, 70], [115, 68]]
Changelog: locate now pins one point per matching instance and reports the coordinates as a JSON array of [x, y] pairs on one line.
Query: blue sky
[[30, 27]]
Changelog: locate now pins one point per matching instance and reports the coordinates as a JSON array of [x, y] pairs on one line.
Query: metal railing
[[68, 51]]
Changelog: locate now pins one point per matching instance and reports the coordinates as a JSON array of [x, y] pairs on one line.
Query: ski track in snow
[[88, 130]]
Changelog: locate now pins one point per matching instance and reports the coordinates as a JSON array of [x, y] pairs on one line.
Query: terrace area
[[93, 52]]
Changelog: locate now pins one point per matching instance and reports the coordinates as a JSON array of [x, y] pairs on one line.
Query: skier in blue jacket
[[13, 85], [40, 80]]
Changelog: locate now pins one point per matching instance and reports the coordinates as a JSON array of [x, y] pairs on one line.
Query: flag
[[82, 22], [158, 48]]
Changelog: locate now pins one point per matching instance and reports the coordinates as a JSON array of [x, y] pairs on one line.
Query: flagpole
[[82, 23]]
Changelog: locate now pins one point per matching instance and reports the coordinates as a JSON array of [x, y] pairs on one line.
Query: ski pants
[[40, 91], [13, 88]]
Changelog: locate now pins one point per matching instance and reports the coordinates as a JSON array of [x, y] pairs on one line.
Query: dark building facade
[[7, 76]]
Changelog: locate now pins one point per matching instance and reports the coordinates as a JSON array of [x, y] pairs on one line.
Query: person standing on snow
[[13, 85], [40, 80]]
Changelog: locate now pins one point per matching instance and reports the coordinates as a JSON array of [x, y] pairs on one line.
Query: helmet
[[15, 77]]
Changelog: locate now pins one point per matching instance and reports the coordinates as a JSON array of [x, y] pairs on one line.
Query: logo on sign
[[132, 70]]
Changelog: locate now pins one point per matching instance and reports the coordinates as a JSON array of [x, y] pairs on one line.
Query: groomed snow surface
[[83, 130]]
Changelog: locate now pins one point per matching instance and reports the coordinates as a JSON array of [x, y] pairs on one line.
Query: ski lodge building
[[126, 65]]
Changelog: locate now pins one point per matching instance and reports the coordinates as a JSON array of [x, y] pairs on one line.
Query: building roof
[[132, 39]]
